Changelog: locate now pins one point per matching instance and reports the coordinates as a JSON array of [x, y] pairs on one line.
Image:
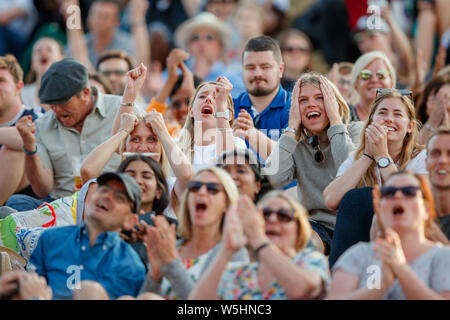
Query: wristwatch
[[225, 114], [287, 129], [383, 162]]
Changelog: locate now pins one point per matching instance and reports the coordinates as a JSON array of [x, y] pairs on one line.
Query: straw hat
[[185, 30]]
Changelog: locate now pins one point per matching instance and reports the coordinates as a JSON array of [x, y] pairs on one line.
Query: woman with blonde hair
[[207, 131], [318, 139], [408, 265], [286, 265], [389, 143], [176, 266], [371, 71]]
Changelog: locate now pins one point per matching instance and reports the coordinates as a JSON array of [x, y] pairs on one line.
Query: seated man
[[80, 119], [94, 250]]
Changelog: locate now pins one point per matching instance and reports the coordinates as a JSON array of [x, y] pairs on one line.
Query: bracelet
[[370, 157], [430, 127], [29, 152], [127, 104], [260, 247]]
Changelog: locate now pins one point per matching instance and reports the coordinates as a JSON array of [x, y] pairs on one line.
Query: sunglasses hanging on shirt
[[314, 142]]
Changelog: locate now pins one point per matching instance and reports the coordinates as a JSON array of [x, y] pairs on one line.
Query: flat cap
[[133, 189], [62, 81]]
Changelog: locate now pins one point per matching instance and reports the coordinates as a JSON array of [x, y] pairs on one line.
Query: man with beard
[[265, 105], [438, 166]]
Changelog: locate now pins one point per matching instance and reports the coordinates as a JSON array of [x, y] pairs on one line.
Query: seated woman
[[313, 147], [408, 265], [285, 267], [208, 131], [245, 169], [146, 134], [175, 267], [388, 144]]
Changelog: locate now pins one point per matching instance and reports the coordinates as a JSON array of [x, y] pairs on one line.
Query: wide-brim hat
[[185, 30]]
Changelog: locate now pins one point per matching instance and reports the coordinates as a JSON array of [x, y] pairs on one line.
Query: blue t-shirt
[[65, 257]]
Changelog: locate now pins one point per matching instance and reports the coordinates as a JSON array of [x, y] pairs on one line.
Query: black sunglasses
[[400, 91], [212, 187], [314, 142], [389, 192], [283, 215]]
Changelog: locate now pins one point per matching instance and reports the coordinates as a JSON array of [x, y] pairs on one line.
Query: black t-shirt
[[445, 225]]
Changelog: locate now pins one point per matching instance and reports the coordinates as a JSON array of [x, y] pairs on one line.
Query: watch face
[[383, 162]]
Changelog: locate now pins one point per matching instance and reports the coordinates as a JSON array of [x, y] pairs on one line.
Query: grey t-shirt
[[432, 268]]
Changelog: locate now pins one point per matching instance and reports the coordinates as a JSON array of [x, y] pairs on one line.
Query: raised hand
[[27, 131], [223, 89], [233, 234], [128, 122], [155, 120], [174, 61], [135, 81], [390, 251], [252, 221], [294, 113], [138, 10], [243, 125], [330, 102]]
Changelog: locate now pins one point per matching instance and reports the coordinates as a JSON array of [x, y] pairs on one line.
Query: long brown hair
[[411, 146]]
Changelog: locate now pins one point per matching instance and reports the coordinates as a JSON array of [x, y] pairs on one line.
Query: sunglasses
[[389, 192], [402, 92], [283, 215], [367, 74], [208, 37], [212, 187], [295, 49], [314, 142], [119, 73]]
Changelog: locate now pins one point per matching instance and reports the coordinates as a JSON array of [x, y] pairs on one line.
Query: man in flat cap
[[80, 119], [94, 250]]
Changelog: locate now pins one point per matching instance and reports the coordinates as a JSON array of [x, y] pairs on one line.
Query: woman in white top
[[402, 263], [207, 131], [389, 143]]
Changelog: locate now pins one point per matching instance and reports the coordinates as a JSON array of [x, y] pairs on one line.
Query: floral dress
[[241, 282]]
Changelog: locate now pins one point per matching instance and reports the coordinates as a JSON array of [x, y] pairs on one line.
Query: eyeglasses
[[295, 49], [208, 37], [283, 215], [314, 142], [118, 73], [400, 91], [212, 187], [367, 74], [408, 191]]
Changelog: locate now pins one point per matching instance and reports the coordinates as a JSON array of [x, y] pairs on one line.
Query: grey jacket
[[292, 159]]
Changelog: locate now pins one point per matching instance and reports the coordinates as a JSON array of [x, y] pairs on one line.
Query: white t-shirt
[[416, 165], [205, 156]]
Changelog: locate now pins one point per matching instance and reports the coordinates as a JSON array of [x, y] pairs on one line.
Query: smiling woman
[[388, 144], [316, 142]]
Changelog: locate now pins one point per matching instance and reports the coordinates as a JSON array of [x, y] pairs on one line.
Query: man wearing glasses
[[94, 250]]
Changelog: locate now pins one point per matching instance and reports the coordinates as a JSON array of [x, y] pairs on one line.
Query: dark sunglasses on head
[[295, 49], [212, 187], [283, 215], [408, 191], [402, 92], [197, 37], [119, 73], [367, 74], [314, 142]]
